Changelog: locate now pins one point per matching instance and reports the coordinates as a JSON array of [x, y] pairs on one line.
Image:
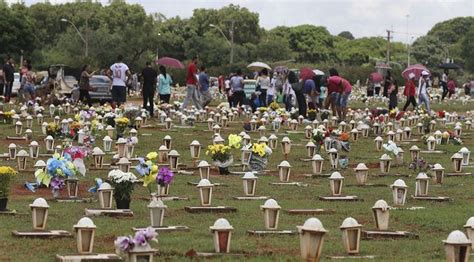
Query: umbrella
[[449, 66], [306, 73], [376, 77], [170, 62], [415, 69], [318, 72], [280, 69], [256, 66]]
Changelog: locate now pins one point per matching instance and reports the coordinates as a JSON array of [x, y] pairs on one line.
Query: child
[[393, 93], [271, 90], [322, 95], [288, 96]]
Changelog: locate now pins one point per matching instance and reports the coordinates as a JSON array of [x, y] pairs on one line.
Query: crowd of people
[[302, 91]]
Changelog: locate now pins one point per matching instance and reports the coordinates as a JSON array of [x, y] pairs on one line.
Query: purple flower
[[150, 233], [140, 238], [124, 243], [56, 183], [165, 176]]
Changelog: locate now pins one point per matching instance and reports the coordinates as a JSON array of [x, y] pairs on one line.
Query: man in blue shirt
[[206, 96]]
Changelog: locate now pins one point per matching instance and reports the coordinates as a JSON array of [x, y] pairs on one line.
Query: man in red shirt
[[409, 91], [192, 84]]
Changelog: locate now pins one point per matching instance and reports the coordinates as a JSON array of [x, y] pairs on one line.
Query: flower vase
[[257, 163], [120, 131], [3, 203], [163, 190], [123, 203], [55, 193], [223, 171], [224, 166]]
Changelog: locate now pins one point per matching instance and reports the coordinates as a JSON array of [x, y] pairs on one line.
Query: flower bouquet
[[318, 137], [139, 243], [109, 119], [57, 169], [274, 105], [259, 157], [312, 114], [163, 180], [8, 116], [147, 168], [53, 130], [6, 175], [221, 156], [121, 123], [123, 187], [344, 140]]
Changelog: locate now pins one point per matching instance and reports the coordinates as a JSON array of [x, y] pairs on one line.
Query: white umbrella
[[255, 66], [318, 72]]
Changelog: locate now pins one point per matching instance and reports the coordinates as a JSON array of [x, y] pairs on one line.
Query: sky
[[360, 17]]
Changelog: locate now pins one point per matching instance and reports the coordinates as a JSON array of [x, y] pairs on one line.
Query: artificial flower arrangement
[[274, 105], [6, 175], [419, 165], [53, 130], [441, 114], [318, 135], [148, 168], [165, 176], [121, 124], [219, 152], [259, 156], [426, 121], [123, 184], [391, 147], [74, 127], [109, 118], [312, 113], [8, 115], [234, 140], [57, 169], [263, 109], [141, 240]]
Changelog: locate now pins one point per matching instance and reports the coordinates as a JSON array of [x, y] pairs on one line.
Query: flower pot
[[257, 163], [3, 203], [223, 170], [123, 203]]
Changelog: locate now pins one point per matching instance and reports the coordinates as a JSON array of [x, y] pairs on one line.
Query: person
[[451, 87], [192, 84], [164, 85], [410, 91], [263, 81], [309, 89], [387, 83], [2, 81], [220, 83], [237, 88], [297, 87], [271, 91], [444, 83], [322, 94], [288, 91], [9, 77], [149, 76], [377, 87], [25, 68], [393, 95], [346, 90], [422, 91], [370, 86], [206, 96], [468, 86], [84, 85], [119, 72], [333, 87], [228, 90]]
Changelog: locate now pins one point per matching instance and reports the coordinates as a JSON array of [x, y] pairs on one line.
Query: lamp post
[[84, 39], [231, 42]]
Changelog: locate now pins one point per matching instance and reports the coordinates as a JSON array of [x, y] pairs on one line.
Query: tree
[[429, 50], [347, 35], [467, 49], [313, 43]]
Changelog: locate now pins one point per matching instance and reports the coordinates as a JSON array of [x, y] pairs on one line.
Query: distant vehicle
[[71, 81], [101, 89], [16, 84], [250, 86]]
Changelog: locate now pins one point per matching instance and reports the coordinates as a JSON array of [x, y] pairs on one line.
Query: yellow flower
[[6, 170], [154, 169], [152, 155], [234, 140], [148, 180]]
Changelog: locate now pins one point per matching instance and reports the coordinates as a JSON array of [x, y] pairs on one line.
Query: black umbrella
[[449, 66]]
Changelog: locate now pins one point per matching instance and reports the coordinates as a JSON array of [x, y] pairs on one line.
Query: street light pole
[[79, 33], [231, 42]]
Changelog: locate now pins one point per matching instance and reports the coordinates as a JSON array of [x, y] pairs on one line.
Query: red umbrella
[[306, 73], [415, 69], [170, 62], [376, 77]]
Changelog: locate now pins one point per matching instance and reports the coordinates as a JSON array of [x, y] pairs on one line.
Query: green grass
[[432, 224]]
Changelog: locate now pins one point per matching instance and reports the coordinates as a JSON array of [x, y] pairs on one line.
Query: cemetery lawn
[[432, 224]]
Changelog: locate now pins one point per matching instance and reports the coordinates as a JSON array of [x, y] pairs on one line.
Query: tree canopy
[[121, 28]]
